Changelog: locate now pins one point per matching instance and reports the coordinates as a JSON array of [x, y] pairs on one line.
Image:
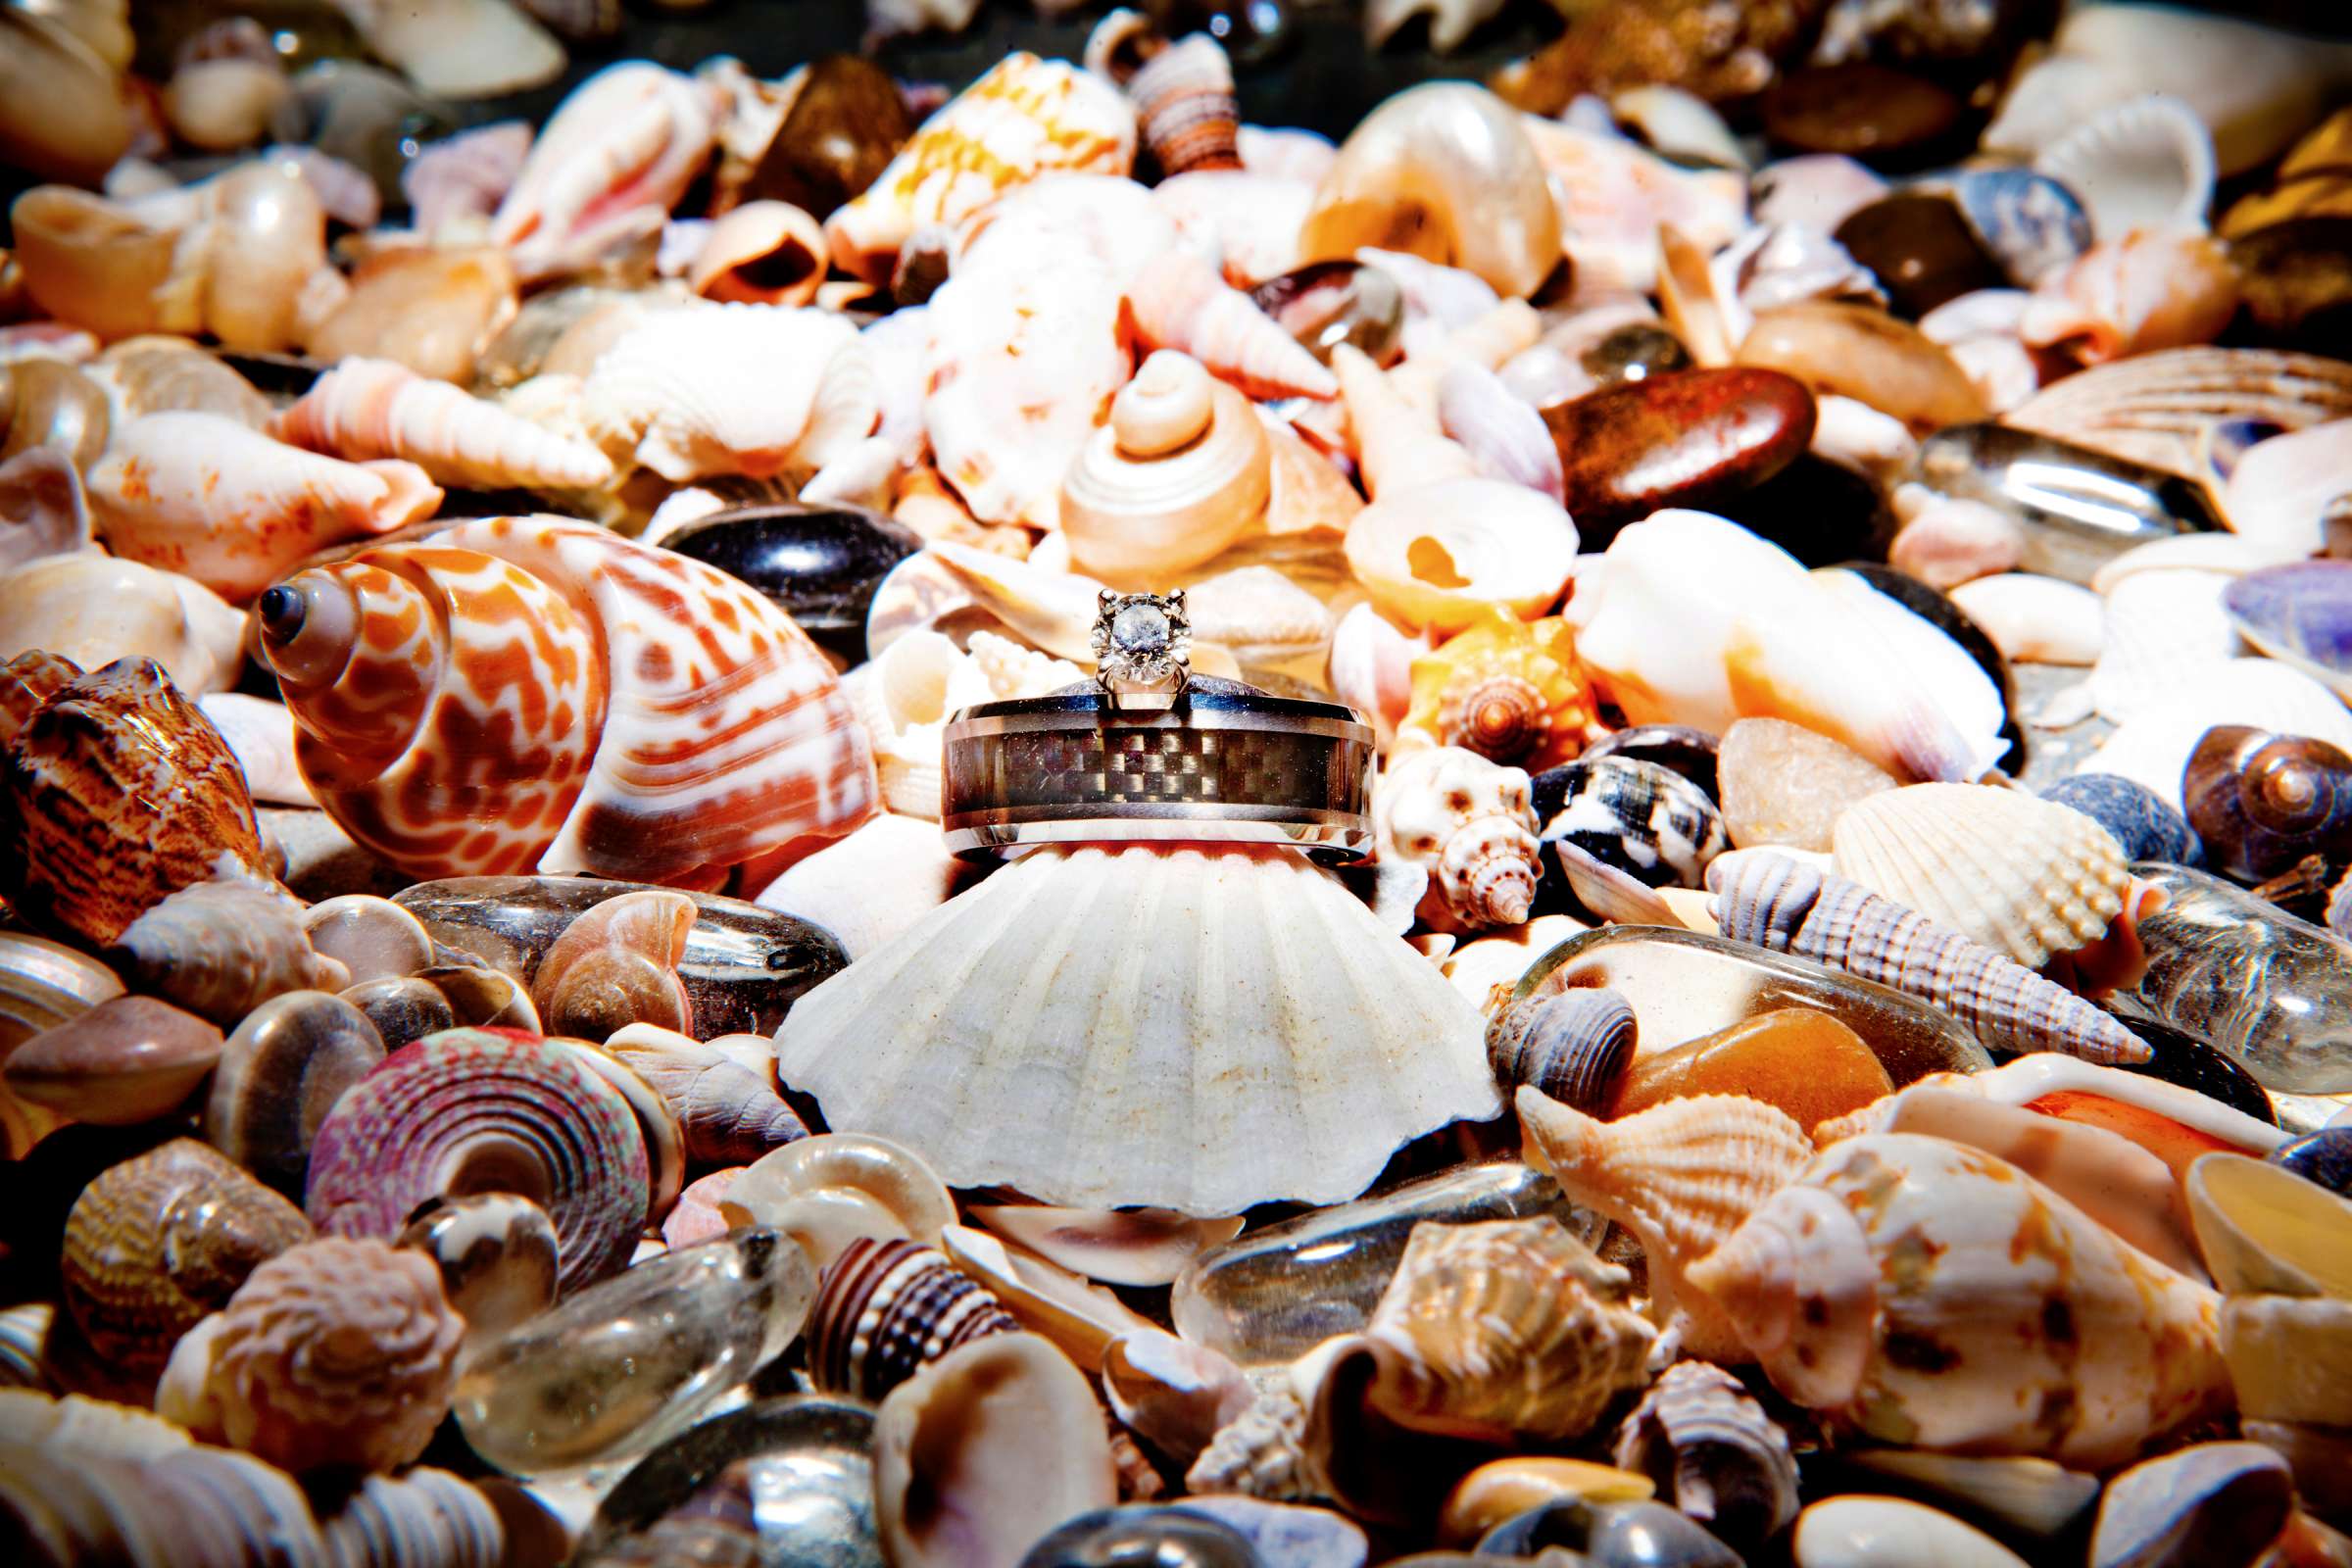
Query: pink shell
[[365, 409], [554, 1132]]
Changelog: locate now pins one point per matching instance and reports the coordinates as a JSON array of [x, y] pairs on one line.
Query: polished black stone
[[820, 564], [2188, 1062]]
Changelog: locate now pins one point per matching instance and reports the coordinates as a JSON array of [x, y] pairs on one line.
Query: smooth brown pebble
[[1861, 110], [1503, 1489], [1784, 785], [1921, 250], [127, 1060], [1692, 438], [846, 124], [1865, 354], [280, 1075], [1808, 1063]]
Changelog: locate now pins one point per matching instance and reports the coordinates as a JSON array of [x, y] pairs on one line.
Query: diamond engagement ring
[[1141, 642]]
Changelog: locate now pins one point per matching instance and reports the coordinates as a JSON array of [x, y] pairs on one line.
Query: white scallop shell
[[2023, 875], [2153, 749], [2152, 408], [2160, 629], [2146, 163], [1169, 1026]]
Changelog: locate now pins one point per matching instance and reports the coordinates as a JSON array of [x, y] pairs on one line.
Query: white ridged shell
[[2146, 163], [2023, 876], [1174, 1027]]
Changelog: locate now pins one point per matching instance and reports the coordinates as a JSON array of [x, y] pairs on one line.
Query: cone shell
[[1178, 300], [126, 795], [1507, 689], [884, 1308], [455, 1110], [334, 1352], [2152, 408], [1713, 1452], [1508, 1328], [1169, 1027], [159, 1240], [1913, 1292], [2021, 875], [1787, 907], [669, 717], [1681, 1176], [1025, 117], [365, 409]]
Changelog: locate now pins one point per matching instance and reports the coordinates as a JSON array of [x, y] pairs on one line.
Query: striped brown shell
[[886, 1307], [126, 793], [158, 1242]]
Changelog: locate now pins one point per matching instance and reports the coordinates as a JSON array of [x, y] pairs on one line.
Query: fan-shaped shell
[[1512, 1327], [2152, 408], [1681, 1176], [126, 795], [1713, 1452], [159, 1240], [1921, 1292], [334, 1352], [1093, 1062], [207, 496], [365, 409], [2145, 163], [669, 718], [1181, 471], [1025, 117], [732, 389], [2021, 875], [1447, 553], [884, 1308], [485, 1110]]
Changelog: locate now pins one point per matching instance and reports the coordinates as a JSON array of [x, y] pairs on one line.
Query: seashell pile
[[680, 829]]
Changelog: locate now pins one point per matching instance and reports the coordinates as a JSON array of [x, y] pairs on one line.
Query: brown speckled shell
[[27, 681], [885, 1308], [335, 1352], [126, 793], [157, 1242]]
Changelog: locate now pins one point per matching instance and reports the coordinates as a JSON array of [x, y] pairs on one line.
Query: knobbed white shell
[[2022, 875], [1201, 1029], [1441, 555], [1180, 472], [1468, 820]]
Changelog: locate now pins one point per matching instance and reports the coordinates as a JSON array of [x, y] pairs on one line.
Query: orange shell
[[1507, 689]]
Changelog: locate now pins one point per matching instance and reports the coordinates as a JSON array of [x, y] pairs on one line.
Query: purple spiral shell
[[884, 1308], [476, 1110]]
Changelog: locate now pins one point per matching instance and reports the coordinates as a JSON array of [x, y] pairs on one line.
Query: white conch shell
[[1026, 116], [870, 887], [1441, 555], [1468, 820], [1615, 197], [2035, 619], [42, 509], [718, 389], [1247, 217], [2153, 749], [1757, 637], [94, 608], [1179, 301], [1446, 171], [1180, 472], [2022, 875], [205, 495], [1925, 1293], [2145, 163], [1167, 1026], [460, 48], [365, 409], [905, 696], [2152, 289], [607, 168], [2275, 84]]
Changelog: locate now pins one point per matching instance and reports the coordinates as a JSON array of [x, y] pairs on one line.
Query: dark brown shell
[[126, 793], [27, 681], [884, 1308], [2262, 801], [160, 1241]]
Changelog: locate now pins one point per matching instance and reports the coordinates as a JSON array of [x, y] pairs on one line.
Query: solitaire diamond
[[1142, 640]]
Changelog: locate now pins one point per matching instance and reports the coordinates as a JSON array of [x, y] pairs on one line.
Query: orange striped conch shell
[[205, 496], [365, 409], [521, 693], [1027, 117]]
